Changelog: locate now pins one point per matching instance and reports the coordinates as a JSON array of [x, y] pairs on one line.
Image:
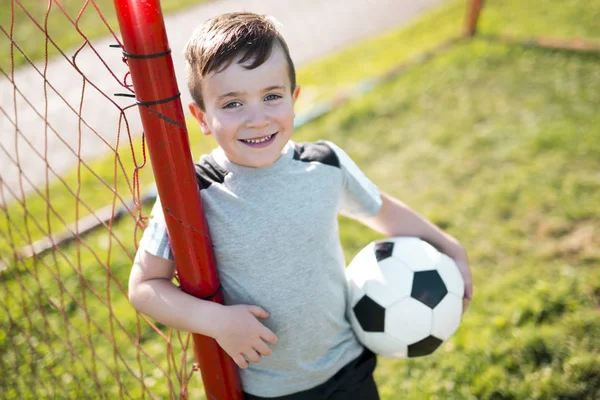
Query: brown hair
[[219, 41]]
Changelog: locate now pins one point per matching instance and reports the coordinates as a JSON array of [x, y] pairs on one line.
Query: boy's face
[[249, 112]]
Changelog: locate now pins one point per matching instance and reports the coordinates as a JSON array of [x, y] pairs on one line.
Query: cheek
[[223, 124], [285, 114]]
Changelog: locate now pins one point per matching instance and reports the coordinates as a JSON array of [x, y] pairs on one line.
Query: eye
[[233, 104], [270, 97]]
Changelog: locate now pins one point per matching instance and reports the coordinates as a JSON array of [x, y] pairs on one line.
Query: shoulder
[[321, 151], [209, 172]]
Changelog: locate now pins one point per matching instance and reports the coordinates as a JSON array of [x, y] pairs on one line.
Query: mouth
[[258, 141]]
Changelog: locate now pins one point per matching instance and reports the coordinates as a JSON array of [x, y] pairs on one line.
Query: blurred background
[[484, 120]]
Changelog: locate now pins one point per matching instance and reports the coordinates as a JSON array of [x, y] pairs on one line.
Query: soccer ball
[[405, 297]]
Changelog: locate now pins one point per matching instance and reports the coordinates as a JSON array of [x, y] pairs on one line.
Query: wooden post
[[473, 10]]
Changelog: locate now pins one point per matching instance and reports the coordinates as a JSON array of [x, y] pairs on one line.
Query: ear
[[200, 116], [295, 94]]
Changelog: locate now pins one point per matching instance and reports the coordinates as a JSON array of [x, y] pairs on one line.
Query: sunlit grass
[[506, 162]]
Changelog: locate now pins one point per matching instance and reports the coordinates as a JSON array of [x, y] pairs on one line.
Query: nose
[[257, 117]]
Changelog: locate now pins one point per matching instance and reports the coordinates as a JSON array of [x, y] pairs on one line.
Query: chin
[[264, 163]]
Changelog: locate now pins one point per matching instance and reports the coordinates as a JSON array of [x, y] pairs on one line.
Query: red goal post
[[146, 48]]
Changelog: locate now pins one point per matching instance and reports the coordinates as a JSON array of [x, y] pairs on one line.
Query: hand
[[242, 336], [458, 253], [462, 262]]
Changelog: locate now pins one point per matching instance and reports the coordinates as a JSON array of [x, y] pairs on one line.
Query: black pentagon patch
[[383, 250], [424, 347], [429, 288], [370, 315]]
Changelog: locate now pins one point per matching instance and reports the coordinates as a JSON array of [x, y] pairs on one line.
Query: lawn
[[498, 144], [506, 161]]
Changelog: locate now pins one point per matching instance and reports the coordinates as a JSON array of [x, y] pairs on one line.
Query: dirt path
[[51, 137]]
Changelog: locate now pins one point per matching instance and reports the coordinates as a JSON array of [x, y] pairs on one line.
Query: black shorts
[[353, 382]]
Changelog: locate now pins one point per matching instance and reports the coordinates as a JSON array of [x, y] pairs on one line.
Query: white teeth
[[255, 141]]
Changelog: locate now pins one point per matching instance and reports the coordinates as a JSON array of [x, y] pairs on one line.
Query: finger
[[468, 279], [465, 304], [262, 348], [258, 312], [269, 336], [252, 355], [241, 361], [468, 290]]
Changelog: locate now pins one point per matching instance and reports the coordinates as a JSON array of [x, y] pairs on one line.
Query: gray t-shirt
[[275, 237]]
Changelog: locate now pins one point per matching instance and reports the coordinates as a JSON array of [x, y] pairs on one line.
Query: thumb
[[258, 312]]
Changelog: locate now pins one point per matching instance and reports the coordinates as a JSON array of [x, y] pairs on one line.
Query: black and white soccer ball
[[405, 297]]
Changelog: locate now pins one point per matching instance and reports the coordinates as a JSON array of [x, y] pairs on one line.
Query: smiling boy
[[271, 205]]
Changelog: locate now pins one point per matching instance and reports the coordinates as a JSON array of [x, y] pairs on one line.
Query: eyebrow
[[268, 89], [237, 94]]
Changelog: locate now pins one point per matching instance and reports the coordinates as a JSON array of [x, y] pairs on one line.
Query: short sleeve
[[361, 197], [155, 239]]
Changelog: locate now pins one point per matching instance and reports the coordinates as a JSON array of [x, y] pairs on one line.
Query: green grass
[[28, 31], [569, 19], [504, 160], [498, 144]]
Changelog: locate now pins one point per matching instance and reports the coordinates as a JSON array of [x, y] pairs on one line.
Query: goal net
[[71, 213]]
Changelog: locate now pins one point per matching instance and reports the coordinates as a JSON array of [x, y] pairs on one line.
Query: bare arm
[[152, 292], [397, 219], [236, 328]]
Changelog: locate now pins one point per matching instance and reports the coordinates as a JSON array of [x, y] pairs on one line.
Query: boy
[[271, 206]]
